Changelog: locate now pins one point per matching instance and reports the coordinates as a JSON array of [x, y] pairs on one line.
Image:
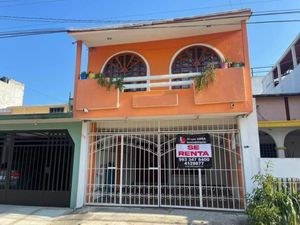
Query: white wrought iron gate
[[134, 163]]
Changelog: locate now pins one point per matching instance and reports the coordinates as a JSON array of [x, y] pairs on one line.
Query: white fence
[[291, 184], [146, 82]]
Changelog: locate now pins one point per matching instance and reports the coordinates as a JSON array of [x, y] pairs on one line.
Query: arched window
[[126, 65], [194, 59], [267, 145], [292, 143]]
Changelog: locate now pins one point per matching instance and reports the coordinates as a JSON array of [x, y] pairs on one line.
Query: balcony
[[159, 95]]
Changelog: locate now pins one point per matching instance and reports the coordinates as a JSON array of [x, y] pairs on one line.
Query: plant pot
[[92, 76], [224, 65], [83, 76], [237, 64]]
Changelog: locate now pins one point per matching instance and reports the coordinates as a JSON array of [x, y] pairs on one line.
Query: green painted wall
[[74, 129]]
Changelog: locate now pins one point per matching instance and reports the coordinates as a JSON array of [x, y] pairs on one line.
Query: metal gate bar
[[147, 173]]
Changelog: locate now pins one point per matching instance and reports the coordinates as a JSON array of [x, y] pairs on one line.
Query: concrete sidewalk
[[17, 215], [115, 215]]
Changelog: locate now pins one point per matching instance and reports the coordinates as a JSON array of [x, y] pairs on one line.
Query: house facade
[[277, 101], [159, 141]]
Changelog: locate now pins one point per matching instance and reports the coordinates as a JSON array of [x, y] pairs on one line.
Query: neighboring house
[[39, 156], [278, 110], [11, 93], [136, 152], [40, 109]]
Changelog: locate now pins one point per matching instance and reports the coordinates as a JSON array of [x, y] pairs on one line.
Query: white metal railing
[[160, 81]]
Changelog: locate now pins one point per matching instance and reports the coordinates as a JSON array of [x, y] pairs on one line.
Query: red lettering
[[193, 147], [193, 153]]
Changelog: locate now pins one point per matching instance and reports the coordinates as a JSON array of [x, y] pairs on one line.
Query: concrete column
[[250, 147], [77, 73], [83, 166], [294, 56], [279, 137], [279, 72]]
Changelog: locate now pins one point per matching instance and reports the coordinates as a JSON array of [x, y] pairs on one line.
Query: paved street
[[12, 215]]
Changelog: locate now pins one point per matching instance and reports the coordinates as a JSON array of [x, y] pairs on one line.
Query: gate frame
[[158, 132], [41, 193]]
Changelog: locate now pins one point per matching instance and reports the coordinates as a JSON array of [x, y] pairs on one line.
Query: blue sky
[[45, 64]]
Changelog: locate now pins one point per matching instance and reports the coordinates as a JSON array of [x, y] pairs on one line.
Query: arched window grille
[[126, 65], [194, 59]]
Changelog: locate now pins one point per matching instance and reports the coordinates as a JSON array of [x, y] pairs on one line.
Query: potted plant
[[237, 64], [83, 75], [225, 64], [92, 75], [205, 78]]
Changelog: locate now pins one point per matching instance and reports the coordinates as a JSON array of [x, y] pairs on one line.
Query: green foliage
[[237, 64], [273, 202], [108, 82], [203, 80]]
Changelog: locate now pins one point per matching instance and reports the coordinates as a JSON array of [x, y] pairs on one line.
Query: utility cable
[[74, 20]]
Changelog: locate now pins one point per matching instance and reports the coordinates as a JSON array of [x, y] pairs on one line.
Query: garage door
[[36, 167]]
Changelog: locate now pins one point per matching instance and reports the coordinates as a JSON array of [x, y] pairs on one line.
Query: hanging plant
[[105, 81], [108, 82], [203, 80]]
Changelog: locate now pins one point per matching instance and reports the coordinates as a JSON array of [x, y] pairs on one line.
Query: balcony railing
[[154, 81], [158, 92]]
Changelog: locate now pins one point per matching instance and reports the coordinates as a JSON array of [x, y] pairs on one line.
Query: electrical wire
[[10, 34], [53, 31], [73, 20], [191, 9]]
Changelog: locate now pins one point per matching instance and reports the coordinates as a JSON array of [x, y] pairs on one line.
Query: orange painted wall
[[159, 53], [233, 45]]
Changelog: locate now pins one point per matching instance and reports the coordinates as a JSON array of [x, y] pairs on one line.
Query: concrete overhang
[[162, 29], [37, 118]]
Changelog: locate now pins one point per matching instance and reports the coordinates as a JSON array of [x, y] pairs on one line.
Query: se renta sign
[[193, 151]]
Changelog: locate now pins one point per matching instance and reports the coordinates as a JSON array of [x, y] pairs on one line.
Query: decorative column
[[279, 137]]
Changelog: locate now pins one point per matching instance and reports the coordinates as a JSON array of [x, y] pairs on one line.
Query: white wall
[[257, 85], [289, 83], [11, 94], [282, 167], [83, 166], [250, 146]]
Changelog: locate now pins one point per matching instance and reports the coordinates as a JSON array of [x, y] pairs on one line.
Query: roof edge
[[227, 14], [36, 116]]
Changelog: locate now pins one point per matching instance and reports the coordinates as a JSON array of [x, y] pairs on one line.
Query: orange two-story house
[[163, 139]]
